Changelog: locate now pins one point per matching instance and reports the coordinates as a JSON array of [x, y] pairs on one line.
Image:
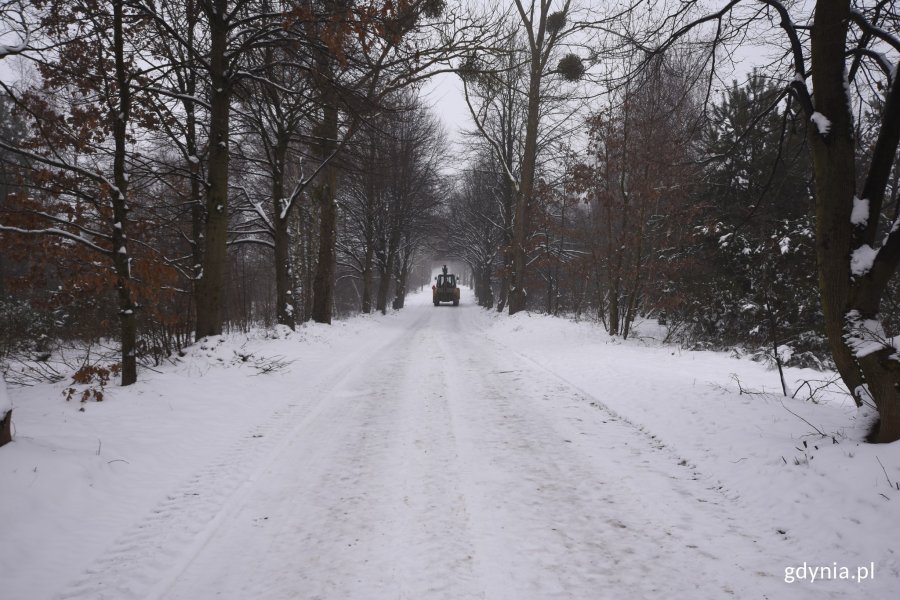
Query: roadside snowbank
[[77, 475], [79, 478], [800, 468]]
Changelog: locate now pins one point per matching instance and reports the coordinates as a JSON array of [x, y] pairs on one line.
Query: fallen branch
[[818, 431]]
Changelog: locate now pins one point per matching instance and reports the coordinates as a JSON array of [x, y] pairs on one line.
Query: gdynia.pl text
[[810, 573]]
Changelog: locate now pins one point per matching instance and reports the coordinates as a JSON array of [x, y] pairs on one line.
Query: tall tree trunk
[[850, 302], [325, 195], [369, 234], [634, 292], [384, 283], [310, 247], [614, 310], [121, 260], [190, 111], [488, 301], [521, 225], [503, 290], [210, 289], [285, 309], [367, 279], [835, 181], [400, 293]]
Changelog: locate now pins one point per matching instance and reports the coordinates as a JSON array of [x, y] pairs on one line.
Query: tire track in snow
[[148, 556], [567, 497], [370, 514], [439, 465]]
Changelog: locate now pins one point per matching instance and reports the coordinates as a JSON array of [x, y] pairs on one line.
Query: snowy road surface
[[436, 463], [437, 468]]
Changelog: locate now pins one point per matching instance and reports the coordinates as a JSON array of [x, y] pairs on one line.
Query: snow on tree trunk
[[850, 300]]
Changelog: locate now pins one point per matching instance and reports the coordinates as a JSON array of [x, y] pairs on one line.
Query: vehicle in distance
[[445, 288]]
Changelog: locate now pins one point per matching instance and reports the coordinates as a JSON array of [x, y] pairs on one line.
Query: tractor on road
[[445, 288]]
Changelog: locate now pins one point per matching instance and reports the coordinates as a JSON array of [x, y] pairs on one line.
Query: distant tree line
[[174, 169], [764, 215]]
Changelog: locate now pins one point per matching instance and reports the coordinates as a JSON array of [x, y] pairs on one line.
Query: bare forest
[[172, 170]]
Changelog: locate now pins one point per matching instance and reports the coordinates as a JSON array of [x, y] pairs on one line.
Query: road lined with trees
[[173, 170]]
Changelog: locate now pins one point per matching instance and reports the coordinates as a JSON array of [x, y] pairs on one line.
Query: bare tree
[[391, 193], [232, 30], [276, 111], [543, 39], [477, 229], [377, 49]]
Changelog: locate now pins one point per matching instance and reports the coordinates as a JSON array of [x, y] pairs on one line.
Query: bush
[[22, 328]]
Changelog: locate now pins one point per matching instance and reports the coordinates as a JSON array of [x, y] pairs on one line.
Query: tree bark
[[6, 428], [285, 309], [369, 229], [121, 259], [190, 111], [400, 292], [367, 278], [521, 225], [847, 300], [325, 194], [384, 283], [210, 289]]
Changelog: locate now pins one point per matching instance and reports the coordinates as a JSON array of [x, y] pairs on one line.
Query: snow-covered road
[[430, 455], [441, 465]]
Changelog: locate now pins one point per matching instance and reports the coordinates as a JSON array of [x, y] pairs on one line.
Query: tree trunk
[[325, 194], [517, 292], [367, 279], [634, 293], [488, 290], [121, 260], [285, 310], [504, 280], [210, 289], [850, 303], [613, 311], [384, 283], [400, 293], [6, 428], [190, 111]]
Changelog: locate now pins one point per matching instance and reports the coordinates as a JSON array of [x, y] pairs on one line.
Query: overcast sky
[[443, 93]]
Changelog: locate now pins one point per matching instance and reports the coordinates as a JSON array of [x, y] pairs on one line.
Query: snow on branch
[[862, 259], [860, 214], [60, 233], [822, 123], [257, 209], [867, 336], [13, 23], [257, 241], [892, 39]]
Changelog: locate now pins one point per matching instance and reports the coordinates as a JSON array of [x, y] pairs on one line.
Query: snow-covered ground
[[446, 453]]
